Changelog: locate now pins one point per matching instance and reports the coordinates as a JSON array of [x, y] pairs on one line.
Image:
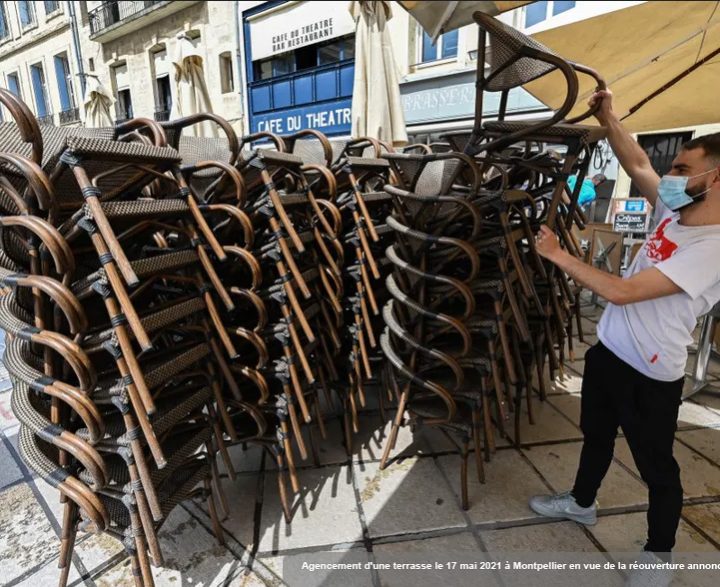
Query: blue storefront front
[[299, 59]]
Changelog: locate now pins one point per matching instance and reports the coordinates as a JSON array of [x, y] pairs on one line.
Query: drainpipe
[[76, 44], [238, 57]]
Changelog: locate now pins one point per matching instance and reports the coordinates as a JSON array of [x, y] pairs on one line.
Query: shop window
[[37, 74], [4, 27], [446, 47], [26, 10], [535, 13], [560, 6], [13, 84], [304, 58], [226, 72]]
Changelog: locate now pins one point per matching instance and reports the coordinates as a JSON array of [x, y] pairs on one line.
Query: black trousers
[[614, 394]]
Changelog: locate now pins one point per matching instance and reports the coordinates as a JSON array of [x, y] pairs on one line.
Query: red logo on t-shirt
[[659, 247]]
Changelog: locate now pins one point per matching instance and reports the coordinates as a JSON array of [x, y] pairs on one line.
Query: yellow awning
[[439, 17], [660, 59]]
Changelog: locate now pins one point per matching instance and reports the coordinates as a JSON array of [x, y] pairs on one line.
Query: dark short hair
[[708, 143], [599, 177]]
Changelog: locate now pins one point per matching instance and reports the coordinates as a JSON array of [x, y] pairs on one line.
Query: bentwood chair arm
[[142, 124], [26, 122], [309, 132], [180, 123]]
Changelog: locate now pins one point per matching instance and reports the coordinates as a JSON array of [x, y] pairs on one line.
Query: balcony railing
[[110, 13], [162, 115], [70, 115], [47, 119]]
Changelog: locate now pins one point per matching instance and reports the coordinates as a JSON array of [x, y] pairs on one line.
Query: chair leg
[[217, 528], [463, 474], [478, 445], [281, 488], [390, 443], [578, 319], [67, 540]]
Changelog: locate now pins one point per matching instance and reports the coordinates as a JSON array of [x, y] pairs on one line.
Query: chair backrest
[[510, 65]]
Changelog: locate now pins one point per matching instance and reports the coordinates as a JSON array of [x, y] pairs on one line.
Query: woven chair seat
[[586, 133], [176, 489], [179, 447]]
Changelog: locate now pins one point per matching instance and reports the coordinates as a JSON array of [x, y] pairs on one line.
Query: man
[[633, 376], [587, 188]]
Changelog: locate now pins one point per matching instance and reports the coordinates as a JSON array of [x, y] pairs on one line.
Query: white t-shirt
[[653, 336]]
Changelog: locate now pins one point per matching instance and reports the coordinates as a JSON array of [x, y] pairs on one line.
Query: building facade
[[131, 47], [39, 60]]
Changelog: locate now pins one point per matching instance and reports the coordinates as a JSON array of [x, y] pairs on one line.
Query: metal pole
[[704, 350], [76, 44]]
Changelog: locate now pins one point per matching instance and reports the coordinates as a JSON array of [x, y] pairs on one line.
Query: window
[[340, 49], [13, 84], [123, 105], [51, 7], [336, 50], [64, 81], [538, 11], [4, 28], [163, 93], [446, 47], [561, 6], [226, 73], [37, 74], [27, 14]]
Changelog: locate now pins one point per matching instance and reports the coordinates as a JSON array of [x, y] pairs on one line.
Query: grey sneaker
[[649, 574], [563, 505]]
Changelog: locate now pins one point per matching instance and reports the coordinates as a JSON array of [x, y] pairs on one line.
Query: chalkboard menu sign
[[630, 222]]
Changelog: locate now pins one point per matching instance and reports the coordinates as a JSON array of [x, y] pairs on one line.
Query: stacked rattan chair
[[113, 318]]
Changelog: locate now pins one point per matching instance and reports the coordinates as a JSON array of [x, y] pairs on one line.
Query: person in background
[[587, 189]]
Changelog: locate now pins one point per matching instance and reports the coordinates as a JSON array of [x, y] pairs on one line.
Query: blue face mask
[[672, 190]]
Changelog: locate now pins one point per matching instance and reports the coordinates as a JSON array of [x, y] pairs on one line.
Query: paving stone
[[624, 535], [706, 441], [243, 460], [693, 415], [460, 548], [700, 478], [558, 464], [241, 495], [26, 537], [408, 496], [324, 512], [709, 397], [274, 569], [47, 574], [556, 541], [549, 425], [9, 424], [192, 557], [568, 405], [509, 483], [369, 443], [9, 471], [707, 517], [95, 550]]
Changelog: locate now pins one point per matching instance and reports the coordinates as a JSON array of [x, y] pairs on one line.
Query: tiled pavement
[[350, 507]]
